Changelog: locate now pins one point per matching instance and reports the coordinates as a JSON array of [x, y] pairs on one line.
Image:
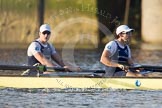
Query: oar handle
[[51, 69]]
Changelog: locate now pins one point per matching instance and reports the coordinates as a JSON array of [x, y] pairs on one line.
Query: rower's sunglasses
[[128, 33], [46, 32]]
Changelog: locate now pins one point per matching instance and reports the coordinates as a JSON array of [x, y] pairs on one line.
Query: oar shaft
[[74, 74], [148, 68], [154, 70], [13, 67], [145, 67], [43, 68], [151, 67], [95, 71], [51, 69]]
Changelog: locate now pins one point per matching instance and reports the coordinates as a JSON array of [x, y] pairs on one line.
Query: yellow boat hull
[[80, 82]]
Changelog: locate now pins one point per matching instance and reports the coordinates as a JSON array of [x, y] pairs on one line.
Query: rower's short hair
[[116, 36]]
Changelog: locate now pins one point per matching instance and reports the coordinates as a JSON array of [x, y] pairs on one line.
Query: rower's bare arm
[[68, 66], [39, 56], [105, 59], [130, 61], [58, 59]]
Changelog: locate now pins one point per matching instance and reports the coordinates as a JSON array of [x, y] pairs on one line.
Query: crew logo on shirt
[[109, 47], [37, 48]]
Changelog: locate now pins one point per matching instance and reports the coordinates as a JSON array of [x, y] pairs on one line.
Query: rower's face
[[126, 36], [44, 36]]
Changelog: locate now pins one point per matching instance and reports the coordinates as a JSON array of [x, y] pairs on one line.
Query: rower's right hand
[[123, 67]]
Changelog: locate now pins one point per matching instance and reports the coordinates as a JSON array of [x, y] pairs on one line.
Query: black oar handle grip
[[49, 69]]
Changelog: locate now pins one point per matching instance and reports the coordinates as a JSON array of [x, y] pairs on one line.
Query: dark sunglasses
[[46, 32], [128, 33]]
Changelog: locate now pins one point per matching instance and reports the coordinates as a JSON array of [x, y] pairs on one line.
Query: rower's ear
[[120, 34], [39, 33]]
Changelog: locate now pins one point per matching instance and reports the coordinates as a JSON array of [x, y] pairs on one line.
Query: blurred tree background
[[119, 12], [81, 23]]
